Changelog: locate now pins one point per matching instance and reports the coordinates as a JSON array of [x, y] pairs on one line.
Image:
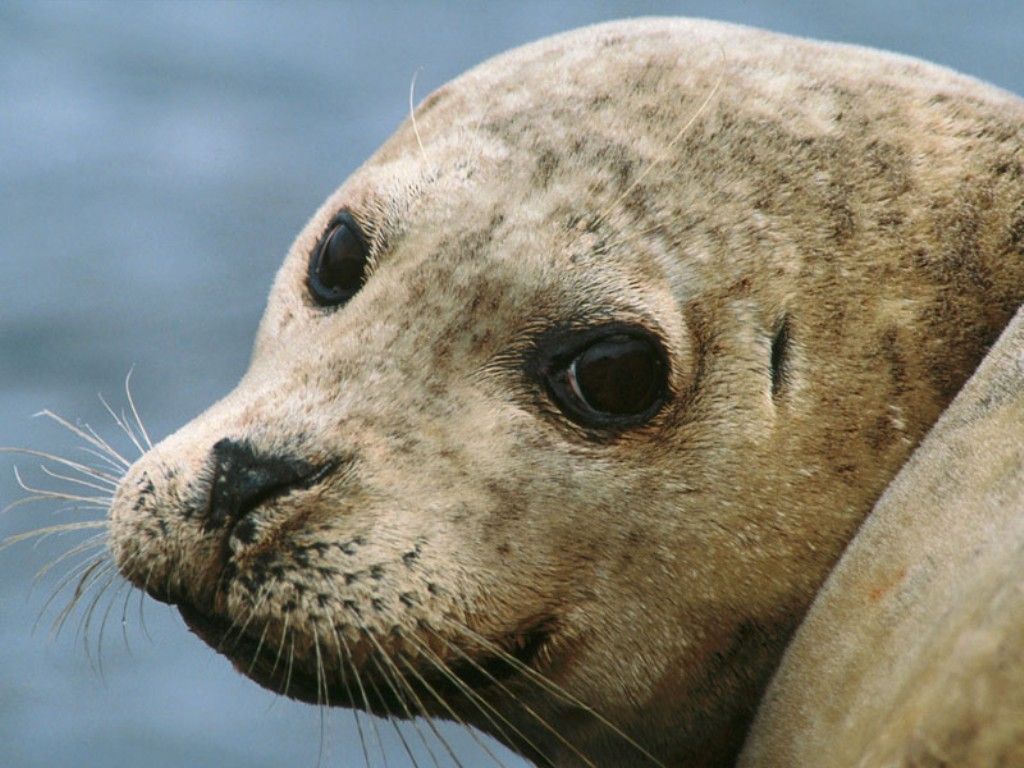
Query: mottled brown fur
[[852, 196], [912, 654]]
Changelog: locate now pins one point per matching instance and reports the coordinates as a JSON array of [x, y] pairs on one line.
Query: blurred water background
[[155, 162]]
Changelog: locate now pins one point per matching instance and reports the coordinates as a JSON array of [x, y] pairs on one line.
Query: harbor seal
[[565, 403]]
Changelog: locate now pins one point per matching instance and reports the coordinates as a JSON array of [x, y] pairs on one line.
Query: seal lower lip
[[260, 663]]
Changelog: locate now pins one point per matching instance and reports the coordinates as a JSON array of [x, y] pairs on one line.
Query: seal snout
[[244, 478]]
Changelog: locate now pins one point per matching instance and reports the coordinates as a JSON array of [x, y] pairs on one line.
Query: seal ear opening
[[780, 355]]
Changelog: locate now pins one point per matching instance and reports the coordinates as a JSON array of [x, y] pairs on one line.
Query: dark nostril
[[243, 479]]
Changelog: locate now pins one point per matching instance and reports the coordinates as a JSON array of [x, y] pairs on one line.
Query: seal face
[[564, 404]]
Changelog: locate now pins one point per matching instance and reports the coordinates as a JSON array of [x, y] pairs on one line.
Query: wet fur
[[868, 205]]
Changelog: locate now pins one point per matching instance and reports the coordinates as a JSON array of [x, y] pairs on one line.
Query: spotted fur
[[710, 183], [912, 654]]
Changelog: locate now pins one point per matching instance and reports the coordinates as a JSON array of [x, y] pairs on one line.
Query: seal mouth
[[367, 686]]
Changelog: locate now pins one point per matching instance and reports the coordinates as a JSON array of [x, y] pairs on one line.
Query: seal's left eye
[[336, 269]]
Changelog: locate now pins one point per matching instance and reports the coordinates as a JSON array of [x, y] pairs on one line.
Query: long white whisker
[[430, 721], [26, 500], [85, 622], [280, 646], [366, 700], [405, 708], [50, 530], [484, 706], [103, 623], [124, 618], [397, 674], [321, 690], [92, 542], [93, 570], [84, 574], [260, 598], [85, 469], [114, 456], [291, 666], [106, 488], [415, 127], [345, 655], [108, 461], [99, 500], [391, 718], [447, 707], [135, 411], [529, 710], [87, 435], [259, 647], [552, 688], [123, 424]]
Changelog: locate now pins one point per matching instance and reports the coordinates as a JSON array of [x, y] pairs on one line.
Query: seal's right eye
[[337, 267], [616, 376], [607, 378]]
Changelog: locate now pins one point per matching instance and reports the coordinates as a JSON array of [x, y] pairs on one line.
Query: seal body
[[395, 511]]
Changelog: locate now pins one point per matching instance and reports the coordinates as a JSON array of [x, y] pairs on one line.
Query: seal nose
[[244, 479]]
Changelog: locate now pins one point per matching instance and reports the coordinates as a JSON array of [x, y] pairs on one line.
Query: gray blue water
[[155, 162]]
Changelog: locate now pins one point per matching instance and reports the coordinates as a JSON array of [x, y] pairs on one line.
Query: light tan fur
[[912, 654], [868, 204]]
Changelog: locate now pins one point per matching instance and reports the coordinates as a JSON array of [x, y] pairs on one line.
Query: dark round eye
[[616, 380], [336, 268]]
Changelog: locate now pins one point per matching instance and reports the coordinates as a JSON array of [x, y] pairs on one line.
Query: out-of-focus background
[[155, 161]]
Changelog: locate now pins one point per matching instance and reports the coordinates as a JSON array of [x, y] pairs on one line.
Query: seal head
[[565, 403]]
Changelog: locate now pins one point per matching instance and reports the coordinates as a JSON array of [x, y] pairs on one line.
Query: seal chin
[[252, 660], [275, 672], [370, 682]]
